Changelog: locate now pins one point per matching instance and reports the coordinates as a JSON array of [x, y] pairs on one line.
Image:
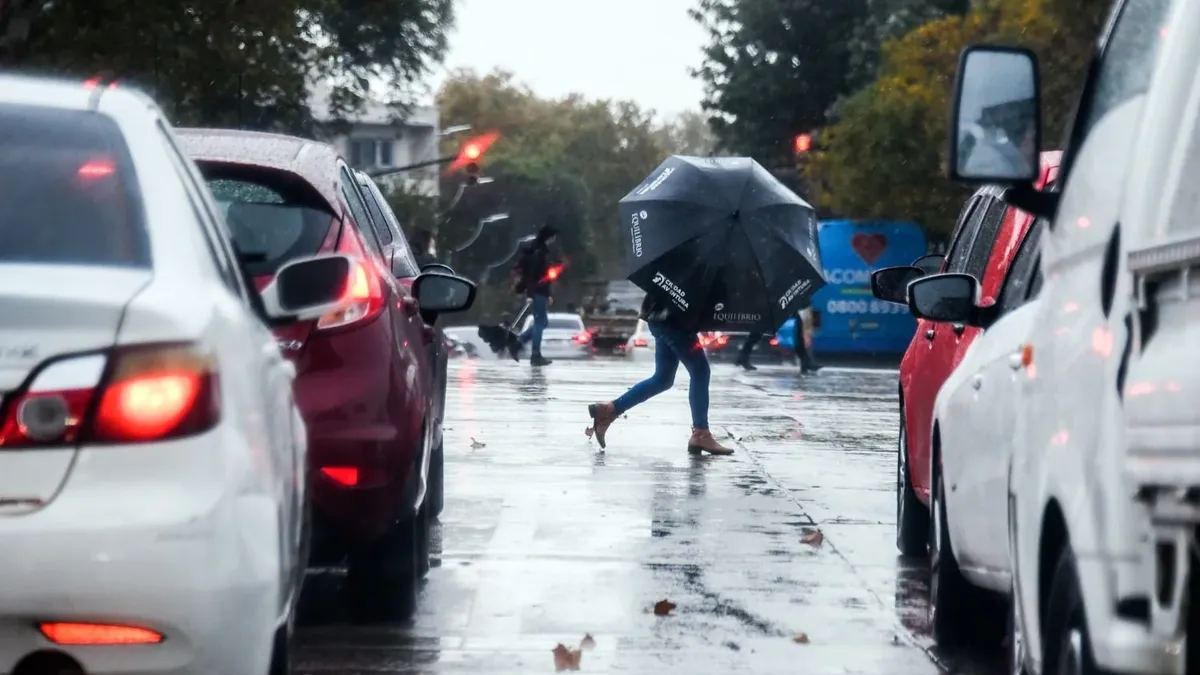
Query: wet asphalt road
[[546, 539]]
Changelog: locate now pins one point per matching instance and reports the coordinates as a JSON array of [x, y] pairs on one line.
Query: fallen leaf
[[475, 445], [566, 659], [801, 638], [813, 538], [588, 642], [663, 607]]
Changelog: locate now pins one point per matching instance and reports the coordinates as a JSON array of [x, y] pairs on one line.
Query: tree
[[232, 62], [773, 68], [688, 133], [883, 157]]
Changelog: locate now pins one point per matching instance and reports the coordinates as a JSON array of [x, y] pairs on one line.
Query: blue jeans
[[673, 346], [540, 321]]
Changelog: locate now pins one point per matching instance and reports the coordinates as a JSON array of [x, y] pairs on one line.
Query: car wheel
[[1066, 645], [912, 518], [950, 609], [437, 481], [382, 578]]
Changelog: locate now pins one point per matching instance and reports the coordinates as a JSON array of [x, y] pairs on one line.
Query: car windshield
[[268, 226], [68, 192]]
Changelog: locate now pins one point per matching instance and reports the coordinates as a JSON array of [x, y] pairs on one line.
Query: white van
[[1104, 480]]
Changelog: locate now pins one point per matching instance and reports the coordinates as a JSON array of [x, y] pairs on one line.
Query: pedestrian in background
[[748, 346], [808, 364], [675, 344], [533, 278]]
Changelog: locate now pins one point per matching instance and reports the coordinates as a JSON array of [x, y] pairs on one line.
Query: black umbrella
[[722, 242]]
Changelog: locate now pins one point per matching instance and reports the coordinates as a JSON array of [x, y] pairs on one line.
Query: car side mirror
[[308, 288], [891, 283], [995, 132], [930, 264], [437, 267], [439, 293], [948, 298]]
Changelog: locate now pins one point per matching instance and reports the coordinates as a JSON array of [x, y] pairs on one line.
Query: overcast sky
[[633, 49]]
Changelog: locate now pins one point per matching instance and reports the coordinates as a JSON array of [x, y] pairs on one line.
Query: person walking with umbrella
[[534, 279], [717, 244]]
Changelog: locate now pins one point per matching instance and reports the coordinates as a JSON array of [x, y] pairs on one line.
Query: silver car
[[565, 336]]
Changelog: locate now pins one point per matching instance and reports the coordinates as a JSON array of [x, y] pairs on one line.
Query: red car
[[985, 241], [364, 384]]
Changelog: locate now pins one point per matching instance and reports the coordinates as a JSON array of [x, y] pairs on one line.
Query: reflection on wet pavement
[[545, 539]]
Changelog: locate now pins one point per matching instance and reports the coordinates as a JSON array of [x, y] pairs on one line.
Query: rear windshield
[[68, 192], [561, 323], [271, 222]]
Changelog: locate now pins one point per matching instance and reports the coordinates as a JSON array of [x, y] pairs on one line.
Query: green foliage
[[884, 156], [773, 68], [232, 62]]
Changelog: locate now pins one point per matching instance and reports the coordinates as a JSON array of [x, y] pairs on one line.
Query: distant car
[[641, 345], [366, 383], [564, 337], [152, 458]]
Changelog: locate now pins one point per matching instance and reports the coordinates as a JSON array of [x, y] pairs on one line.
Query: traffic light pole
[[387, 171]]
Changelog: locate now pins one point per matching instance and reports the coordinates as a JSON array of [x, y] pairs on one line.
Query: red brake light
[[149, 393], [98, 634], [640, 342], [96, 169], [774, 342], [363, 286], [583, 338], [342, 475], [722, 340]]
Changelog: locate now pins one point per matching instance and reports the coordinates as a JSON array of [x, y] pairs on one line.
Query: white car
[[972, 442], [1106, 454], [564, 337], [152, 461], [640, 345]]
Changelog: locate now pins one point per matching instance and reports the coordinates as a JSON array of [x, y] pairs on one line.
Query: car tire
[[436, 498], [912, 517], [951, 598], [383, 578], [1066, 644]]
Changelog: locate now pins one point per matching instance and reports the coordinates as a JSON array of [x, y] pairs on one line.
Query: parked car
[[152, 457], [984, 242], [564, 337], [972, 445], [366, 382], [1101, 503]]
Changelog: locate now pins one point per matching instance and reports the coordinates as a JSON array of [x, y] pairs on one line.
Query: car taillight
[[774, 342], [130, 395], [722, 340], [363, 287], [98, 634], [640, 342], [583, 338]]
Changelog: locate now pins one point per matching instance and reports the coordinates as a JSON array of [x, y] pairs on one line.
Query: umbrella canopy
[[722, 242]]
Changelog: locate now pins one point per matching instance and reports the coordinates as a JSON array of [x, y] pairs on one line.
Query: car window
[[359, 208], [1129, 56], [1024, 268], [960, 246], [991, 216], [377, 218], [559, 322], [269, 226], [68, 191], [404, 263]]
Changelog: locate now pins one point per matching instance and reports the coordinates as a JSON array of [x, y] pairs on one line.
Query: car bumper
[[1120, 645], [197, 563], [566, 350]]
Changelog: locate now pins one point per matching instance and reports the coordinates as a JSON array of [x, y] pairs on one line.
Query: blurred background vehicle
[[147, 421], [374, 427], [610, 313], [640, 346], [564, 337]]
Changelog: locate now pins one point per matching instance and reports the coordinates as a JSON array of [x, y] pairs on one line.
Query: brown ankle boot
[[702, 441], [603, 415]]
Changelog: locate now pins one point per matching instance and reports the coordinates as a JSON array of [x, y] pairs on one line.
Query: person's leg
[[666, 364], [807, 362], [747, 348], [540, 321], [693, 358]]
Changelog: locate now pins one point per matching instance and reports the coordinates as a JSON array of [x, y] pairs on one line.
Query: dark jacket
[[535, 268]]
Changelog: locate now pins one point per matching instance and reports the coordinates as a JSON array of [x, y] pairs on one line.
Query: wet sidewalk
[[545, 539]]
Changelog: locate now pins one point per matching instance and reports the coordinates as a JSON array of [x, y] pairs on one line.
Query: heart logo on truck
[[869, 247]]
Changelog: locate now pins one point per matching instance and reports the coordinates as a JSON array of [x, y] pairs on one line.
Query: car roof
[[316, 163]]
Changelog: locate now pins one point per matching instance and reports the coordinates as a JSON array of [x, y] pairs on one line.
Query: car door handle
[[958, 328], [977, 382], [929, 334]]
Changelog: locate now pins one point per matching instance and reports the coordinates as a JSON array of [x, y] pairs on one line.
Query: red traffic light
[[471, 152], [802, 143]]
